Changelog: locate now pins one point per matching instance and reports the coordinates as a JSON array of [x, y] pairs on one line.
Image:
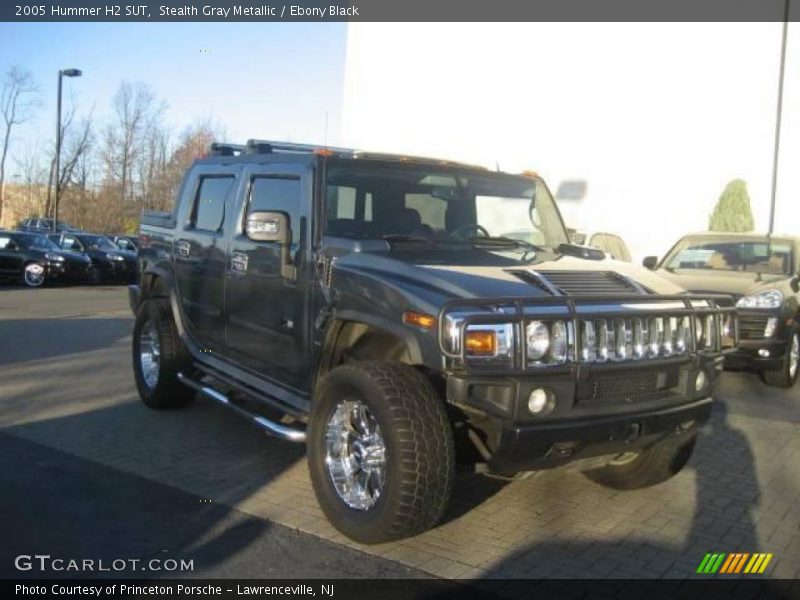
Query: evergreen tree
[[732, 212]]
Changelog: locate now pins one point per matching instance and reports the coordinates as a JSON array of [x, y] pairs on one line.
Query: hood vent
[[582, 283]]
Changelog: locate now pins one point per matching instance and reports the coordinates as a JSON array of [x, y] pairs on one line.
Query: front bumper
[[68, 271], [749, 355], [547, 445]]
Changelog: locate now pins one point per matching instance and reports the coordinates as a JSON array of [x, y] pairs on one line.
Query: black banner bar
[[404, 589], [398, 10]]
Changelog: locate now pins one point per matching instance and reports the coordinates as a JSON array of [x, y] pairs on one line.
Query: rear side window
[[209, 207], [278, 193]]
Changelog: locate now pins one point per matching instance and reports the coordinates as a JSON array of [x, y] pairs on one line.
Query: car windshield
[[40, 242], [98, 242], [752, 255], [440, 204]]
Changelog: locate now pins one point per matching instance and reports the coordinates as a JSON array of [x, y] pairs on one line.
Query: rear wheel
[[158, 356], [33, 275], [786, 376], [634, 470], [380, 451]]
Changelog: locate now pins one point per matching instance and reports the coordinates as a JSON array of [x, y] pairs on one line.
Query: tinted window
[[209, 208], [278, 194]]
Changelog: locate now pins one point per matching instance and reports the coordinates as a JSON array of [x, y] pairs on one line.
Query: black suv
[[42, 225], [365, 304], [762, 274]]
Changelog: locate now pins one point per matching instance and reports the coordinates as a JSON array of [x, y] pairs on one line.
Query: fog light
[[763, 353], [538, 400], [701, 381]]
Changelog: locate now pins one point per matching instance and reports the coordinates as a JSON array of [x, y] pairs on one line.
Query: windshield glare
[[439, 204], [756, 256]]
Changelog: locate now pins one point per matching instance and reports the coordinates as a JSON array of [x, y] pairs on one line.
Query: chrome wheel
[[149, 354], [34, 275], [355, 454], [794, 356]]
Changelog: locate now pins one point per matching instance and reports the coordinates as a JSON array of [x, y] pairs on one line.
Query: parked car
[[610, 243], [125, 242], [32, 259], [110, 264], [41, 225], [761, 273], [368, 306]]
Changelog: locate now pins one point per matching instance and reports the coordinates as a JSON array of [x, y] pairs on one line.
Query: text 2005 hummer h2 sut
[[373, 307]]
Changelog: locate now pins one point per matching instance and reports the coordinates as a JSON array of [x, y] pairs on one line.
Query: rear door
[[266, 325], [199, 252]]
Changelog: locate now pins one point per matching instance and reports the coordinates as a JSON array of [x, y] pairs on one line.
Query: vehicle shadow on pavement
[[726, 494], [50, 338], [124, 481]]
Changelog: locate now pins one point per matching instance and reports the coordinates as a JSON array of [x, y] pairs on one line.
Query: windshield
[[98, 242], [752, 255], [440, 204], [43, 243]]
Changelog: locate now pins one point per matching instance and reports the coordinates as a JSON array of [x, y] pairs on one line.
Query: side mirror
[[650, 262], [273, 226]]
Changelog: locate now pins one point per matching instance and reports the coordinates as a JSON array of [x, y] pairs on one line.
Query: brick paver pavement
[[67, 383]]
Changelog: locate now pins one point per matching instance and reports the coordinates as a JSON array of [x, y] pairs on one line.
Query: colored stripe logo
[[734, 562]]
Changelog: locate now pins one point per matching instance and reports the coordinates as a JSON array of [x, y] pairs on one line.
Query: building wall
[[656, 117]]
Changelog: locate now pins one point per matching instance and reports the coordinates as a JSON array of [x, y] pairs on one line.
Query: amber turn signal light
[[481, 343], [418, 319]]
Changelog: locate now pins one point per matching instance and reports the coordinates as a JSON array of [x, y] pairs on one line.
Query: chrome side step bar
[[274, 429]]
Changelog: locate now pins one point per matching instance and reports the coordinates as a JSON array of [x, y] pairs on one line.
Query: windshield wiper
[[402, 237], [503, 240]]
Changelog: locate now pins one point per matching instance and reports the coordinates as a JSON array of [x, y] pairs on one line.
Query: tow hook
[[634, 431]]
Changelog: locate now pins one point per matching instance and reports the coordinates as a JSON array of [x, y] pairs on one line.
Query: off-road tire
[[168, 392], [653, 465], [420, 454], [782, 377]]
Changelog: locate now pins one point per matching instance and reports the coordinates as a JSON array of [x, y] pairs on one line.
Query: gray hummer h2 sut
[[373, 307]]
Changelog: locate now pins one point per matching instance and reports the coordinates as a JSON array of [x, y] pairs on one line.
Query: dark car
[[110, 264], [370, 306], [41, 225], [761, 274], [125, 242], [32, 259]]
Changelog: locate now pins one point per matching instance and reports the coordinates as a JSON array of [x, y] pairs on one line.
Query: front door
[[266, 324], [10, 256], [199, 253]]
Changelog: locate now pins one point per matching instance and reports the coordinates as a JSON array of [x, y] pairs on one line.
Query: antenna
[[325, 138]]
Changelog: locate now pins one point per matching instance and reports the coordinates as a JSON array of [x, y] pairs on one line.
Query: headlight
[[768, 299], [54, 257], [538, 337], [116, 257]]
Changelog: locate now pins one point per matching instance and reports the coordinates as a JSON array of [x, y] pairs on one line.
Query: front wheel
[[380, 451], [634, 470], [786, 376], [33, 275]]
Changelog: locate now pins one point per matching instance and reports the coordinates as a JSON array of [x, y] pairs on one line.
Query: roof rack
[[268, 147], [225, 149]]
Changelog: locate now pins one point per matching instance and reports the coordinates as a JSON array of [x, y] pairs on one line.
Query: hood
[[735, 283], [75, 257], [478, 273]]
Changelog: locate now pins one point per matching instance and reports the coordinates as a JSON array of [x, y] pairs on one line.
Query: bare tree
[[18, 98], [32, 172], [136, 109]]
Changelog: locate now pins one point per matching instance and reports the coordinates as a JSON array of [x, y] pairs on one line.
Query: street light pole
[[778, 120], [61, 74]]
